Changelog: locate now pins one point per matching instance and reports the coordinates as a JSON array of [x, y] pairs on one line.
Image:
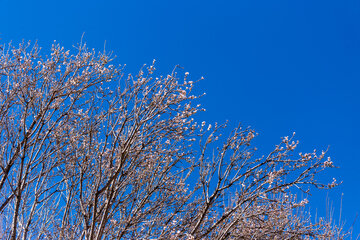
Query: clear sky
[[278, 66]]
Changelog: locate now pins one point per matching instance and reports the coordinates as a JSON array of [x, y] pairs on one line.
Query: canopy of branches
[[88, 153]]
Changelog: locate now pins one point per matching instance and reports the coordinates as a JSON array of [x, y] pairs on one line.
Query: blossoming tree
[[88, 153]]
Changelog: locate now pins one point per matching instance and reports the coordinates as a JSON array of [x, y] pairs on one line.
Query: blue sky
[[278, 66]]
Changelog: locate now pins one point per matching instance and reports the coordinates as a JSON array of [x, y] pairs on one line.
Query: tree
[[88, 153]]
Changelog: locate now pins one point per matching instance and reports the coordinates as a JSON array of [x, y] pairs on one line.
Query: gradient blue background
[[278, 66]]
